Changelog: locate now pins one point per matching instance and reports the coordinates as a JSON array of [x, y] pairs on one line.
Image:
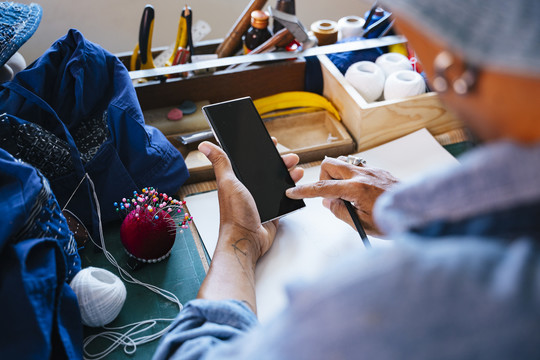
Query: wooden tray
[[376, 123], [312, 136]]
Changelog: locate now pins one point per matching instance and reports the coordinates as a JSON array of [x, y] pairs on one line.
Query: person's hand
[[361, 185], [239, 218]]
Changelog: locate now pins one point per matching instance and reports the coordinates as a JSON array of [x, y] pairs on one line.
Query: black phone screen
[[255, 160]]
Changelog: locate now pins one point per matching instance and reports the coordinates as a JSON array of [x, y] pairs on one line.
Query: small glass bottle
[[258, 33], [287, 6]]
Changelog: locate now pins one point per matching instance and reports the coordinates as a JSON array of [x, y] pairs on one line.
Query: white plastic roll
[[101, 295], [392, 62], [350, 26], [404, 83], [367, 78]]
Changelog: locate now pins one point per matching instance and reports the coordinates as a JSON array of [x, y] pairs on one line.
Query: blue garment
[[456, 285], [80, 98], [38, 257]]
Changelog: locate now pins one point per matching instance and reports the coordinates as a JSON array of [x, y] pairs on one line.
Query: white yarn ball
[[404, 83], [392, 62], [350, 26], [367, 78], [16, 62], [101, 295]]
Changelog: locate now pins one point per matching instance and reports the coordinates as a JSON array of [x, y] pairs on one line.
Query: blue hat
[[501, 34], [18, 22]]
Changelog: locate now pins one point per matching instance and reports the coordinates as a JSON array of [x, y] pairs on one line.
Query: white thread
[[404, 83], [392, 62], [350, 26], [367, 78], [117, 338], [100, 294]]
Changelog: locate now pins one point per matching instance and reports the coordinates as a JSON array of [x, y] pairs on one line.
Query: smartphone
[[240, 131]]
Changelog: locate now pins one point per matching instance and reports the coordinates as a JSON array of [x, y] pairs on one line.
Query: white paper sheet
[[311, 239]]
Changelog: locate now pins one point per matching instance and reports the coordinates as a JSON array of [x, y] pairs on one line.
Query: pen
[[353, 160], [357, 224]]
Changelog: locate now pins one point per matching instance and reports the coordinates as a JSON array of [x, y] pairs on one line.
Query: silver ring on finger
[[356, 161]]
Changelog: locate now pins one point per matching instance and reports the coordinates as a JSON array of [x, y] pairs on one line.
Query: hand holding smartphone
[[239, 129]]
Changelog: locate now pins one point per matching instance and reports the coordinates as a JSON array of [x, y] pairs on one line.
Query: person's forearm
[[232, 270]]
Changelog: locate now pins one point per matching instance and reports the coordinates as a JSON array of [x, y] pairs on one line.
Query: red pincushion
[[147, 238]]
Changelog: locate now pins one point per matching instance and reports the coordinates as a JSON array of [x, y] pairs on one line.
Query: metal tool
[[293, 30], [194, 137], [295, 27], [272, 56]]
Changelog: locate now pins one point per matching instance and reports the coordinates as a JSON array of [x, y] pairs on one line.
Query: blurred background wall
[[114, 24]]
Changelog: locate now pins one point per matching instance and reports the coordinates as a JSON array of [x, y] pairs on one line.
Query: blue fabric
[[493, 179], [203, 324], [313, 80], [18, 22], [38, 257], [505, 224], [452, 296], [345, 59], [75, 81]]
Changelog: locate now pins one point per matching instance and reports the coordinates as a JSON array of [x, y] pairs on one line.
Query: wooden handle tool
[[280, 39], [233, 40]]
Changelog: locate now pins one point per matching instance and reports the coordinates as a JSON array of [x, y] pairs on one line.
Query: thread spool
[[101, 295], [392, 62], [350, 26], [404, 83], [326, 31], [367, 78]]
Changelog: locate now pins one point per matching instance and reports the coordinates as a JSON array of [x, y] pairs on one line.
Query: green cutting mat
[[182, 273]]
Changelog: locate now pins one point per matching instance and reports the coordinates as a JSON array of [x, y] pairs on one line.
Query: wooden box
[[364, 125], [376, 123], [312, 135]]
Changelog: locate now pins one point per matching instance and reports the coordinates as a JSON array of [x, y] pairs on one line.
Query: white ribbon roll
[[404, 83], [367, 78], [101, 295], [392, 62], [350, 26]]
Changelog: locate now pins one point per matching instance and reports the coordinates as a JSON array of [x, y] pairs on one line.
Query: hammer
[[292, 30]]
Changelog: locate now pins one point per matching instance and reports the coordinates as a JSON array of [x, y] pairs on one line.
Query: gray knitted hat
[[18, 22], [504, 34]]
